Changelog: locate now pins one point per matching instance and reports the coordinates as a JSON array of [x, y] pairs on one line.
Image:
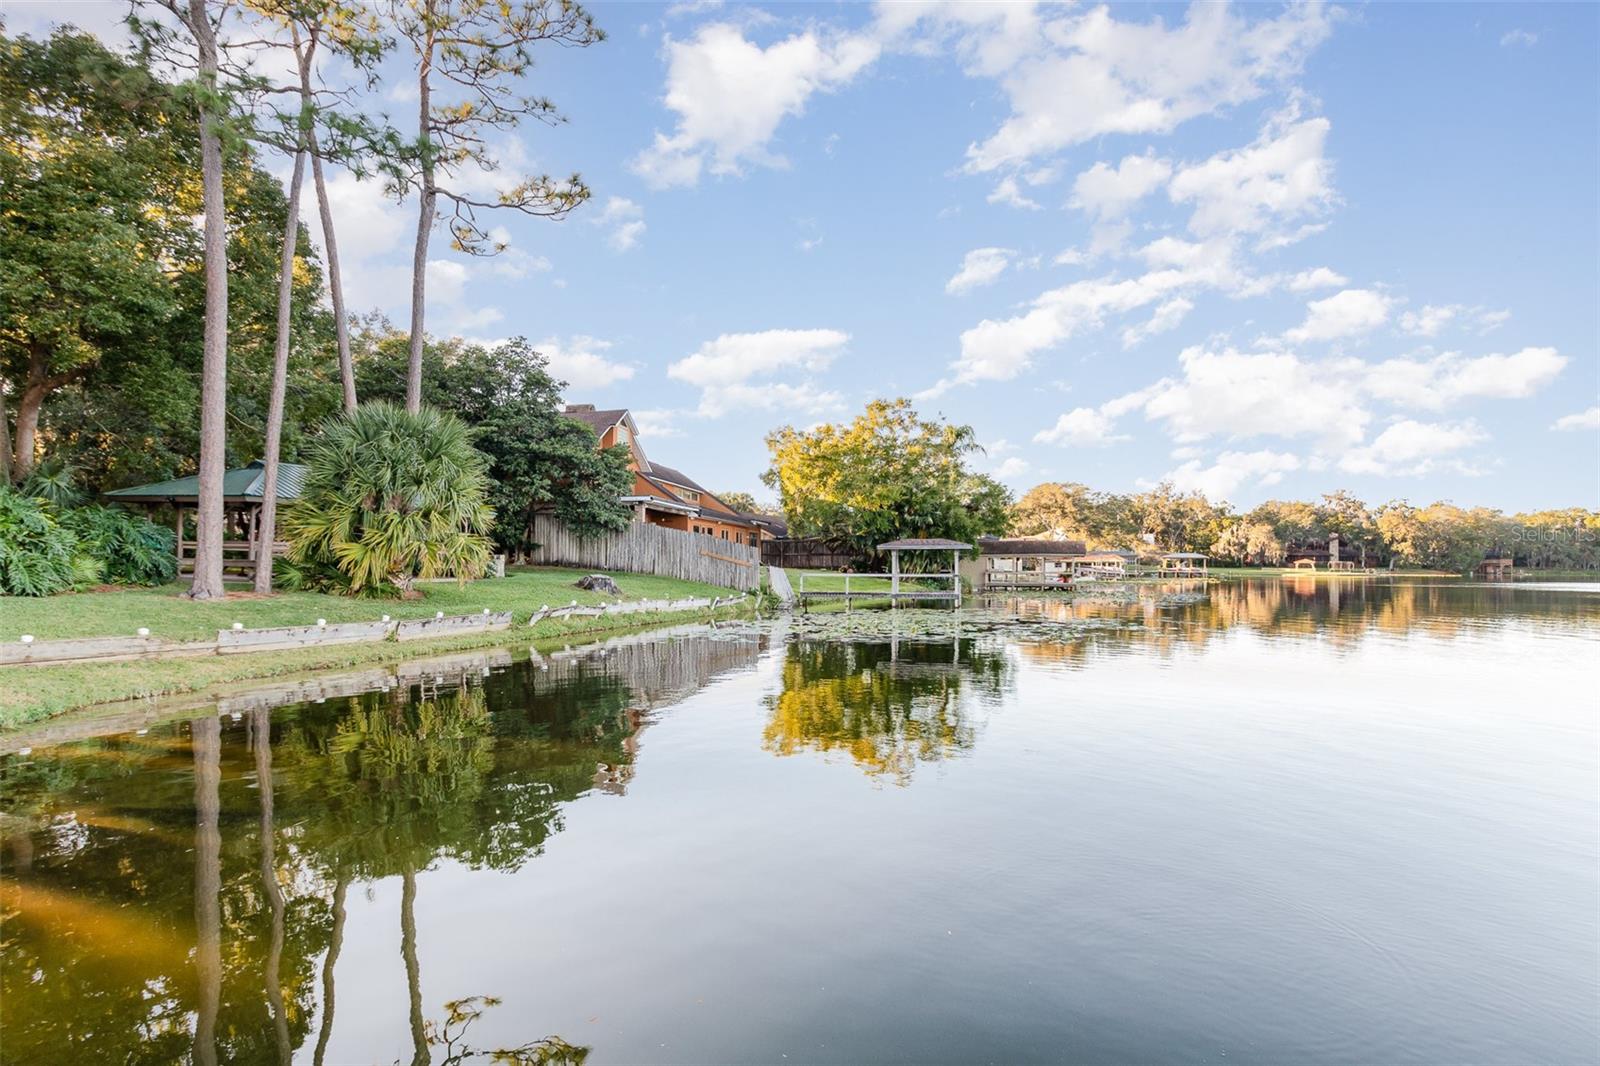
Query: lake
[[1257, 821]]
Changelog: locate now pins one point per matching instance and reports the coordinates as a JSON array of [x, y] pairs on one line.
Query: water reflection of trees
[[181, 894], [1186, 616], [887, 706]]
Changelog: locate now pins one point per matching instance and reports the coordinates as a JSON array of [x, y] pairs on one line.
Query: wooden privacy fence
[[647, 549], [807, 553]]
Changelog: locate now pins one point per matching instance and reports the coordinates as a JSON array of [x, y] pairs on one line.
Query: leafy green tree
[[94, 210], [1070, 511], [742, 502], [476, 55], [1440, 536], [885, 475], [539, 459], [390, 496], [1248, 542]]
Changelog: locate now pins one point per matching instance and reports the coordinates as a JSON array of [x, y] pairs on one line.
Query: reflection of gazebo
[[954, 547], [1183, 564], [241, 501]]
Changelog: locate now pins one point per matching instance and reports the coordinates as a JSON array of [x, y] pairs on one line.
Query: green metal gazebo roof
[[241, 484]]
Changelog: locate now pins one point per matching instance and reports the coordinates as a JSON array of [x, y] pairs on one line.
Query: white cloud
[[1000, 349], [1519, 38], [1589, 419], [1452, 377], [1009, 192], [1083, 426], [1110, 192], [982, 266], [1010, 468], [1428, 321], [1166, 318], [624, 219], [1344, 314], [1238, 395], [654, 423], [1488, 321], [1072, 75], [580, 362], [1223, 478], [1281, 177], [1432, 318], [1317, 278], [724, 370], [1411, 448], [731, 95]]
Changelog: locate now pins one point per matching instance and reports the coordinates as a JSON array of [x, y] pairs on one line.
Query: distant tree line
[[1439, 535]]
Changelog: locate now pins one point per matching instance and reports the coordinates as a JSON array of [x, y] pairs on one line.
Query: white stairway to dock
[[780, 584]]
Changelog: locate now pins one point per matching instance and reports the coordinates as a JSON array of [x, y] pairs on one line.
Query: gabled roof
[[914, 543], [678, 477], [775, 523], [600, 421], [245, 483]]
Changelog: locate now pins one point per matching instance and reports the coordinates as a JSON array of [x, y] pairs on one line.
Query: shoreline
[[33, 695]]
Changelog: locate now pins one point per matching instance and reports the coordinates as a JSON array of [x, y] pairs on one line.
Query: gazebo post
[[955, 574], [177, 528], [894, 572]]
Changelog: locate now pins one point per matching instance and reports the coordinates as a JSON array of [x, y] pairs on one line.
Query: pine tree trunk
[[425, 212], [266, 528], [209, 515], [341, 323]]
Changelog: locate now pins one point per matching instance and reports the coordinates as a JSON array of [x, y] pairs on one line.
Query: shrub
[[129, 550], [47, 548], [36, 553], [389, 497]]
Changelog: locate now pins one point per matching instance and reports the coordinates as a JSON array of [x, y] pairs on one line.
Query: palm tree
[[390, 496]]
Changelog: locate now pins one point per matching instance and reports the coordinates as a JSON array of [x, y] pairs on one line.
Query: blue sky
[[1262, 251]]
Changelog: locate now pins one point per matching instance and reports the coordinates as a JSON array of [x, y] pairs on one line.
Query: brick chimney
[[575, 408]]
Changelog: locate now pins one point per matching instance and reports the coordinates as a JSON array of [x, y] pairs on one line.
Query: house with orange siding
[[664, 496]]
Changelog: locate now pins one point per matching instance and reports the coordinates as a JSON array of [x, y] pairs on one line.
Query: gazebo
[[241, 496], [1100, 564], [1184, 564], [954, 547]]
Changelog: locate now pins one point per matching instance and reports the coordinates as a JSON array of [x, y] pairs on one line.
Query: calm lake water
[[1262, 821]]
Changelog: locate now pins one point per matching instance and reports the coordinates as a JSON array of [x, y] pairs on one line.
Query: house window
[[620, 433], [724, 534]]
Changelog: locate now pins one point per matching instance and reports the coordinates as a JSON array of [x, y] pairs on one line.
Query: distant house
[[1497, 565], [661, 495], [1325, 555], [1019, 562]]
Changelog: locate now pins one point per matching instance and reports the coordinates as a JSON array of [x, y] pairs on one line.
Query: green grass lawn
[[168, 615]]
